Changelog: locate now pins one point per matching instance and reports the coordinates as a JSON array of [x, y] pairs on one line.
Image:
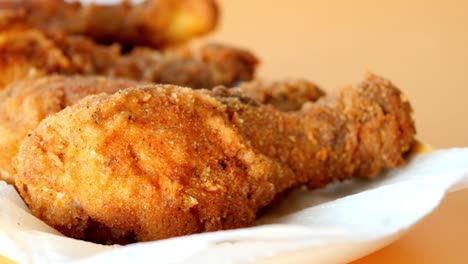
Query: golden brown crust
[[26, 51], [151, 23], [365, 129], [287, 95], [24, 104], [160, 161]]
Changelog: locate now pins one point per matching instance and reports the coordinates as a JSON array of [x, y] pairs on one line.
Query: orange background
[[422, 46]]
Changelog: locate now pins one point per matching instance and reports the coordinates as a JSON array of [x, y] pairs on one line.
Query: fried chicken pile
[[112, 142], [26, 51]]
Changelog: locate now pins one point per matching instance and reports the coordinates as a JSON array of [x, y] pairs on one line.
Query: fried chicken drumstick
[[24, 104], [26, 51], [154, 23], [158, 161]]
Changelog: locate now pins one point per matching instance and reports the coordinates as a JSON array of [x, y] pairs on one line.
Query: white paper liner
[[340, 223]]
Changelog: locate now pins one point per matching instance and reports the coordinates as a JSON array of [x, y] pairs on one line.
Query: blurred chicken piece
[[24, 104], [154, 23], [161, 161], [28, 52]]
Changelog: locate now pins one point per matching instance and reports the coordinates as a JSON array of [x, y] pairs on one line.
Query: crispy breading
[[158, 161], [26, 51], [24, 104], [151, 23], [287, 95]]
